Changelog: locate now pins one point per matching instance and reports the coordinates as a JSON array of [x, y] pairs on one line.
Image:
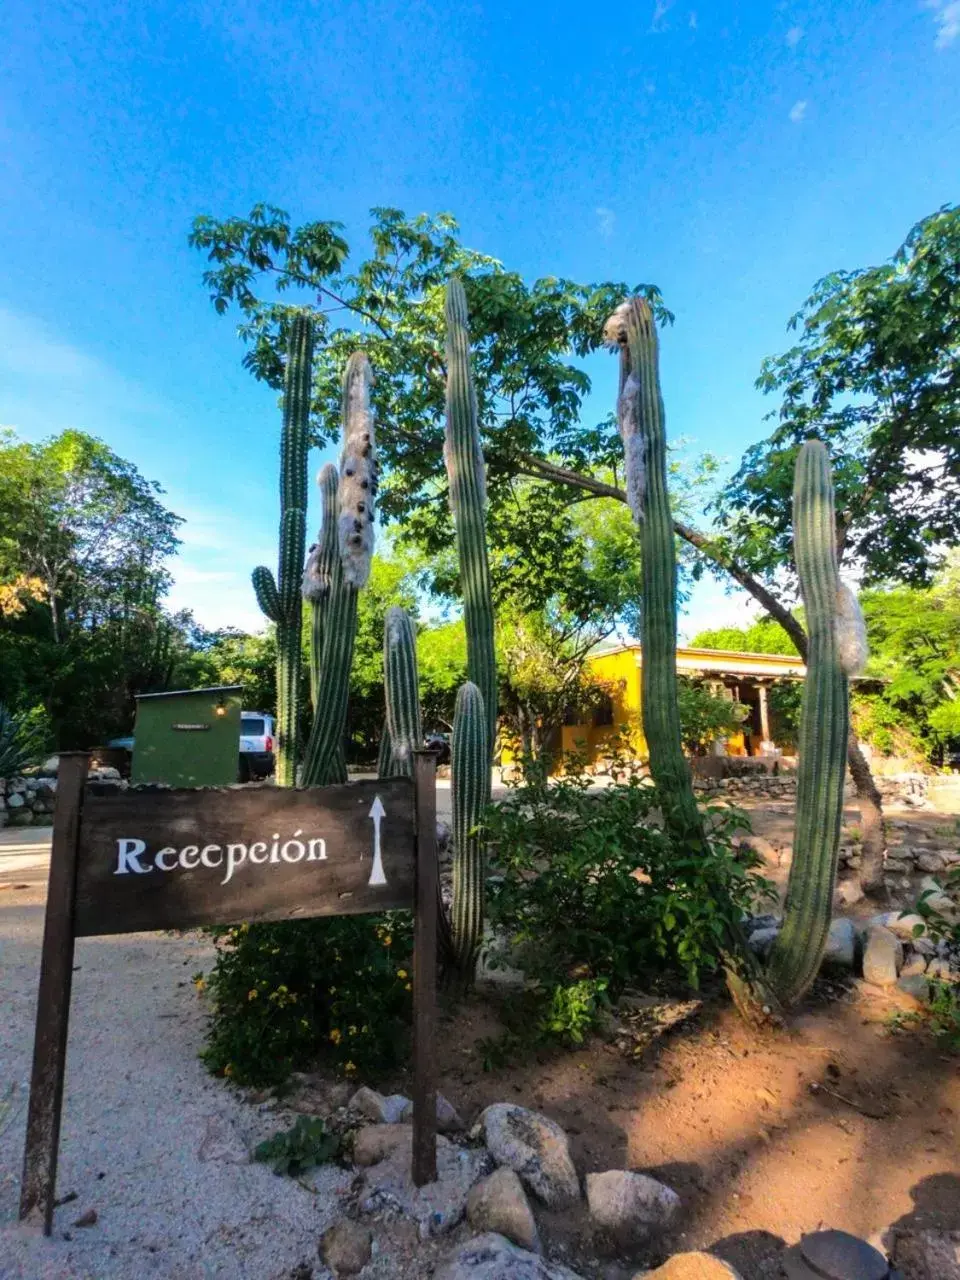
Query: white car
[[256, 746]]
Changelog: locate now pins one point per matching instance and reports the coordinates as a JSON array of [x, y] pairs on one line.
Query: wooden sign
[[143, 860]]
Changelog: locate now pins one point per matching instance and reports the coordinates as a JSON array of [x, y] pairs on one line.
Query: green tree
[[763, 636]]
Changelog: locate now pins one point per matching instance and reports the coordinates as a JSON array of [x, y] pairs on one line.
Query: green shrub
[[596, 896], [943, 1013], [292, 1151], [287, 995]]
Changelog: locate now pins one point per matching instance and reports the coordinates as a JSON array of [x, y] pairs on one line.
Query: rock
[[436, 1207], [927, 1255], [916, 964], [494, 968], [536, 1148], [346, 1247], [896, 866], [848, 893], [15, 801], [937, 899], [691, 1266], [842, 945], [930, 861], [941, 969], [20, 817], [761, 941], [51, 766], [221, 1143], [753, 923], [106, 773], [393, 1109], [499, 1203], [88, 1219], [492, 1257], [630, 1207], [882, 956], [374, 1142], [899, 922]]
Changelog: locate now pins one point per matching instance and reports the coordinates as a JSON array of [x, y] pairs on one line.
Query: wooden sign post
[[132, 861]]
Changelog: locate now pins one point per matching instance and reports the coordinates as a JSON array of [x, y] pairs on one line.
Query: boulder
[[931, 861], [901, 923], [630, 1207], [761, 941], [882, 956], [448, 1117], [436, 1207], [692, 1266], [536, 1148], [346, 1247], [493, 1257], [941, 969], [392, 1109], [499, 1203], [51, 766], [938, 900], [20, 817], [917, 963], [842, 945], [374, 1142], [15, 801], [927, 1254], [849, 893]]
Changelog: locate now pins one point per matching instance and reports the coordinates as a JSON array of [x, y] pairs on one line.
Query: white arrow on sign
[[377, 812]]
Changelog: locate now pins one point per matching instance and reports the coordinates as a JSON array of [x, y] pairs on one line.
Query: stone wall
[[903, 789], [28, 801]]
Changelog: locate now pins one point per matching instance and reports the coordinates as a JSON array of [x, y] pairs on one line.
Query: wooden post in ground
[[425, 974], [38, 1186]]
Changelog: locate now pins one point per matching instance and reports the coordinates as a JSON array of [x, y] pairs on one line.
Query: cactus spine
[[404, 732], [837, 650], [349, 570], [476, 706], [470, 781], [642, 428], [280, 599]]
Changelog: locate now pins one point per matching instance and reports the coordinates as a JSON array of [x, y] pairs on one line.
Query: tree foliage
[[875, 373]]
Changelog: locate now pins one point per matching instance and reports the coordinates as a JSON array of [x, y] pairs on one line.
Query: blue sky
[[732, 154]]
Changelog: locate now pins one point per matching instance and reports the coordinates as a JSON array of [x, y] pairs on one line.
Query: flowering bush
[[287, 995]]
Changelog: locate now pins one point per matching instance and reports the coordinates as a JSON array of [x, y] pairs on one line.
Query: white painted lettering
[[294, 850], [189, 857], [275, 848], [253, 852], [318, 851], [206, 855], [236, 856], [128, 854], [160, 861]]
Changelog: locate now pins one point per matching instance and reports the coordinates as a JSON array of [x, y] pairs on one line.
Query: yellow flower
[[332, 991], [401, 973], [349, 1067], [352, 1031], [200, 984], [408, 987], [336, 1035], [388, 940], [252, 993], [228, 1069]]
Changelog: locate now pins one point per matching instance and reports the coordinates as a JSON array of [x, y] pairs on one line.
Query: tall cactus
[[470, 780], [477, 701], [404, 732], [837, 650], [322, 578], [468, 501], [280, 599], [631, 329], [350, 568]]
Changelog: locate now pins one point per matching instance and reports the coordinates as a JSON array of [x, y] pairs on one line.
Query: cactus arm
[[465, 472], [470, 773], [836, 647], [402, 692], [265, 590]]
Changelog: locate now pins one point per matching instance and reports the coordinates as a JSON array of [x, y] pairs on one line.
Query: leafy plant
[[287, 995], [295, 1150], [596, 894], [24, 739]]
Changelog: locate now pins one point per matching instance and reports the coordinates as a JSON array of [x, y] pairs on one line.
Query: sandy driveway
[[150, 1142]]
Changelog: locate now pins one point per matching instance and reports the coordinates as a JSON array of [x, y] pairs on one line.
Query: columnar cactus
[[350, 568], [280, 599], [470, 781], [477, 701], [404, 731], [632, 331], [837, 650], [322, 579], [468, 502]]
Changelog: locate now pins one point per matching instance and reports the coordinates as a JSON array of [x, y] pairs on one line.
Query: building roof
[[729, 661], [181, 693]]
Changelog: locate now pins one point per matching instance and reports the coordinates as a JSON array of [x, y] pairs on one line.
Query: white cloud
[[947, 18], [794, 36], [798, 111], [606, 221], [660, 10]]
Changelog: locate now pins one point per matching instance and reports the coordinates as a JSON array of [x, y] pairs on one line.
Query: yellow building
[[746, 678]]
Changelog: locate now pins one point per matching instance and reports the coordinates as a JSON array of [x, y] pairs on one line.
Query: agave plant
[[21, 742]]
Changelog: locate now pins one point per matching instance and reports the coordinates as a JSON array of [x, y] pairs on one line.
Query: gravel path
[[149, 1141]]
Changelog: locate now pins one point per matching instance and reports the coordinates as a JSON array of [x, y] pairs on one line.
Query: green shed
[[188, 737]]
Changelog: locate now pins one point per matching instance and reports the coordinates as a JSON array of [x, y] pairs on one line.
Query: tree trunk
[[868, 796]]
